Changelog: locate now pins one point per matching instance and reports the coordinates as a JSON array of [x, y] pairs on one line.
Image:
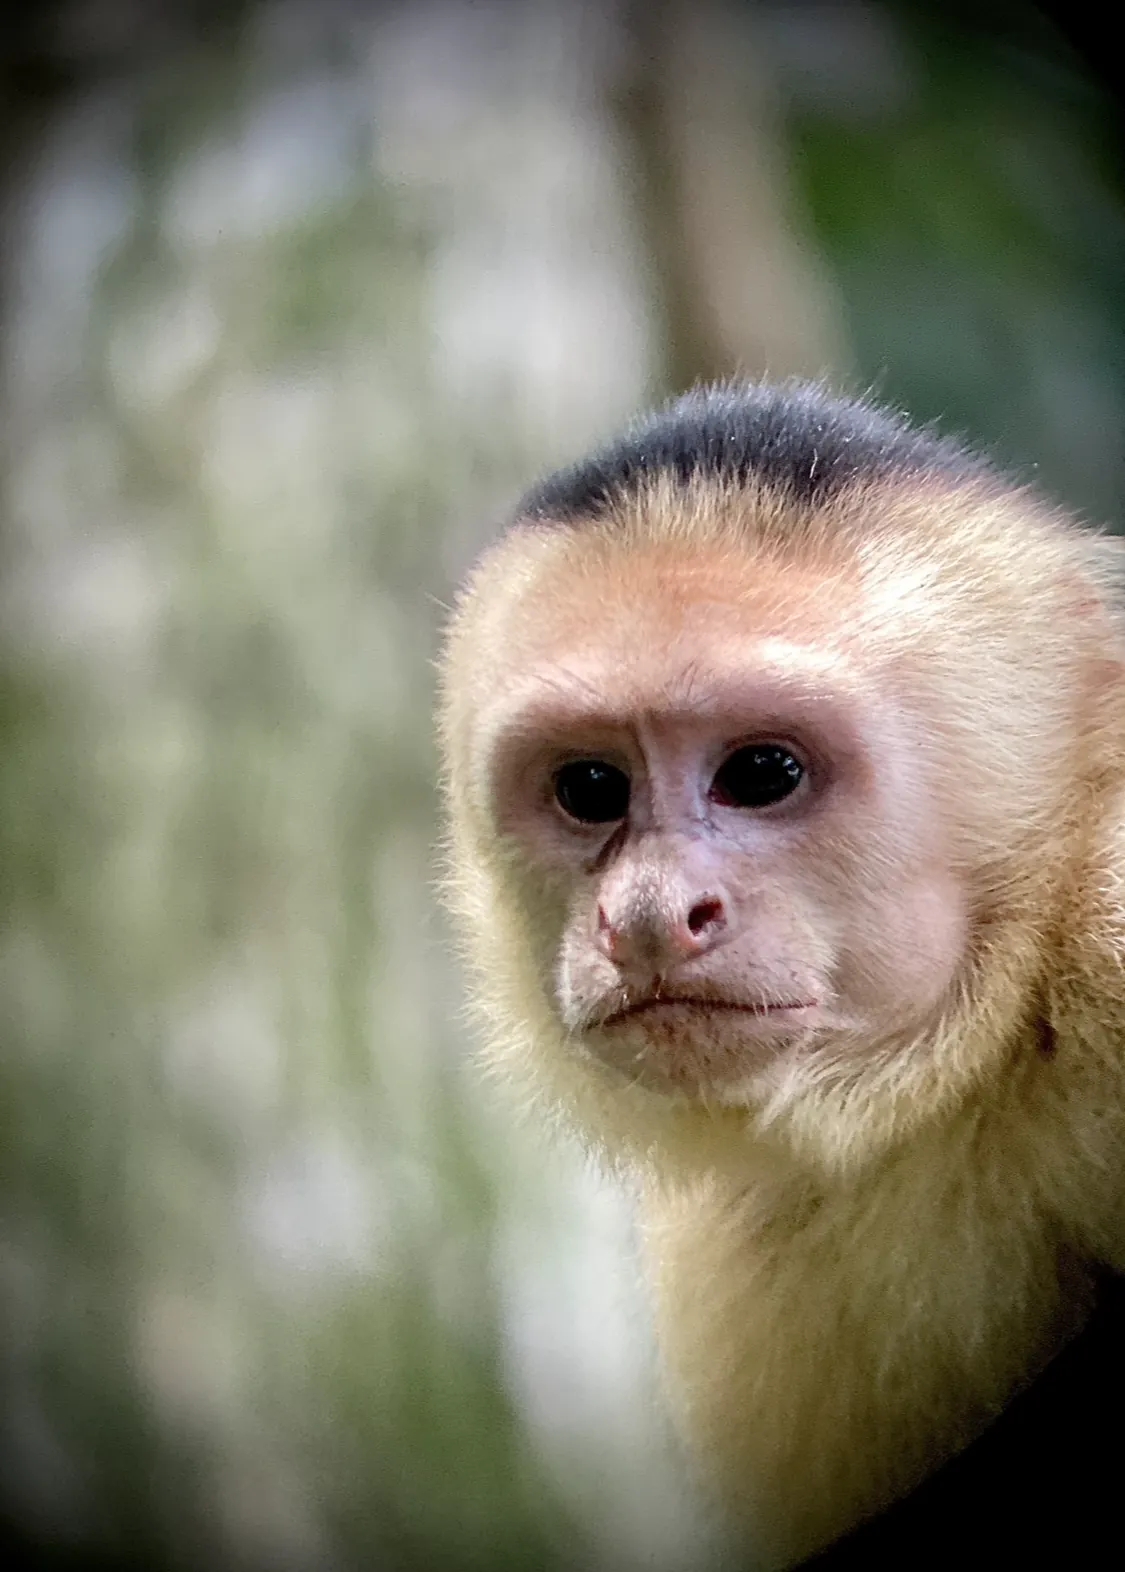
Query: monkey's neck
[[827, 1345]]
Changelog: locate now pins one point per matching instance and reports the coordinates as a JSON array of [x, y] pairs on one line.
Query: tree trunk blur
[[740, 288]]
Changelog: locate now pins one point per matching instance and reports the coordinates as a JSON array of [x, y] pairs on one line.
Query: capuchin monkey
[[785, 771]]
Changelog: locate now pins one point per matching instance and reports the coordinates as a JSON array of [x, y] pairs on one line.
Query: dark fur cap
[[795, 436]]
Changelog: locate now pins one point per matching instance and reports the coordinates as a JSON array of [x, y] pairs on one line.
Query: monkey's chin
[[700, 1050]]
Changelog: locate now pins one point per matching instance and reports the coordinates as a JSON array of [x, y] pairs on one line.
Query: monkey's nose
[[653, 939]]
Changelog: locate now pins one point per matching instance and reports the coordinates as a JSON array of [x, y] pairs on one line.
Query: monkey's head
[[774, 739]]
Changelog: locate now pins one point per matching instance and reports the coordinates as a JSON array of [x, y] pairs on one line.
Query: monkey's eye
[[757, 777], [592, 791]]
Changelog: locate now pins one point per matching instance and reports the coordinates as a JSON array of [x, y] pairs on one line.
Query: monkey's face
[[727, 838]]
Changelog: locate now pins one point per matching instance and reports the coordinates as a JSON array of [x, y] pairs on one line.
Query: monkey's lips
[[695, 1043], [667, 1006]]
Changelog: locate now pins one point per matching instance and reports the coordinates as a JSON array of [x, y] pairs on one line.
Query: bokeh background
[[296, 297]]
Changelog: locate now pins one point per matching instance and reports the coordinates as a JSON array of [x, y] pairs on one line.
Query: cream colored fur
[[855, 1271]]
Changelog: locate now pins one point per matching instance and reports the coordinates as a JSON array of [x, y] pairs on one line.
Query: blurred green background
[[297, 296]]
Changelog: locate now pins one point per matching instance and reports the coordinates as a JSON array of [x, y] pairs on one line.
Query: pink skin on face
[[704, 934]]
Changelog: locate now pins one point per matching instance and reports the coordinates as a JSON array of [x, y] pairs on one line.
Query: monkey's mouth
[[668, 1004], [696, 1045]]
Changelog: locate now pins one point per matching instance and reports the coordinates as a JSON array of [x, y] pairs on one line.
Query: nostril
[[705, 914]]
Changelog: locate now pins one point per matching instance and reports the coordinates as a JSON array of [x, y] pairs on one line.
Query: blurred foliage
[[968, 197], [217, 821]]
